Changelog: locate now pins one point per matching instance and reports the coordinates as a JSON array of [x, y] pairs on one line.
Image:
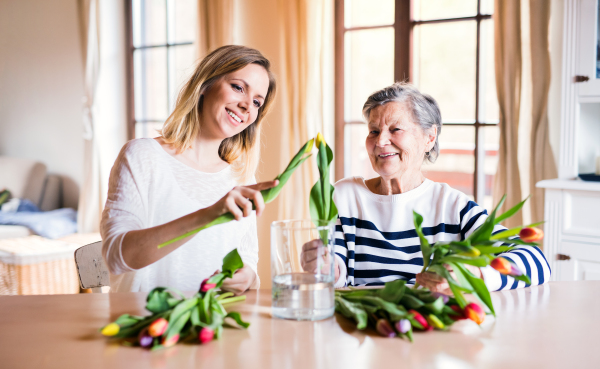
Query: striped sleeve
[[341, 255], [529, 259]]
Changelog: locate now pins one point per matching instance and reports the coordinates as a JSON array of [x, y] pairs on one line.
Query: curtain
[[215, 25], [507, 48], [304, 92], [542, 163], [105, 110]]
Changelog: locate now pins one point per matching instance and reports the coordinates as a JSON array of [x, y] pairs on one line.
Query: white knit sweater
[[148, 187]]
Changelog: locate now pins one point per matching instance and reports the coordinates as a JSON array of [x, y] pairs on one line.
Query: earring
[[427, 154]]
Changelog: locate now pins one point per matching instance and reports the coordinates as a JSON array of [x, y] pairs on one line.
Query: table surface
[[551, 326]]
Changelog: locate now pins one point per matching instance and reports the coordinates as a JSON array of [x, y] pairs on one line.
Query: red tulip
[[206, 335], [158, 327], [171, 341], [531, 234], [474, 312], [205, 286], [144, 338], [460, 315], [505, 267], [385, 329], [419, 318]]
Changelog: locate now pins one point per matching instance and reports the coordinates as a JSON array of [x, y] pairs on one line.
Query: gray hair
[[424, 109]]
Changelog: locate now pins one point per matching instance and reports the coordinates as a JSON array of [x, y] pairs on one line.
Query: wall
[[554, 97], [41, 85]]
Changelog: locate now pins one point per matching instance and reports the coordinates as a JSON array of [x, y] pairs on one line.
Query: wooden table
[[552, 326]]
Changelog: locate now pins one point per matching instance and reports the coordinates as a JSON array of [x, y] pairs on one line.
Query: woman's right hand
[[237, 201]]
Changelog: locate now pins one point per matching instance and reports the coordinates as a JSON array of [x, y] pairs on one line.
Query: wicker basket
[[37, 266]]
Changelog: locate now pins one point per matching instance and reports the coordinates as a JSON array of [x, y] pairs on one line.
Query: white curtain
[[215, 25], [104, 43]]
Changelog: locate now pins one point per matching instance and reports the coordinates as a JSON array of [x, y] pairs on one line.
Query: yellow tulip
[[110, 330], [320, 140]]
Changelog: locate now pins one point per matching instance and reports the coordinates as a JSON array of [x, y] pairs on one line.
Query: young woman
[[201, 167]]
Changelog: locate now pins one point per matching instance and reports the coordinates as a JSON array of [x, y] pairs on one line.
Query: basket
[[37, 266]]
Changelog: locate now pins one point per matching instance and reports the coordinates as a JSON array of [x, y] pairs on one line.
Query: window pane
[[150, 83], [441, 9], [491, 137], [360, 13], [356, 159], [487, 6], [182, 20], [444, 66], [456, 163], [488, 106], [368, 67], [149, 22], [181, 65], [147, 130]]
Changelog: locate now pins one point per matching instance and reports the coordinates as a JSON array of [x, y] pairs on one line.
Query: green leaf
[[195, 317], [492, 250], [516, 241], [157, 300], [175, 326], [395, 312], [353, 311], [411, 302], [479, 287], [523, 278], [238, 319], [217, 279], [478, 261], [425, 248], [182, 308], [232, 262], [510, 212], [392, 291], [454, 286], [485, 230], [437, 306], [127, 320]]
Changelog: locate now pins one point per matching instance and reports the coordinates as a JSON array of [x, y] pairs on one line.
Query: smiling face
[[231, 104], [396, 143]]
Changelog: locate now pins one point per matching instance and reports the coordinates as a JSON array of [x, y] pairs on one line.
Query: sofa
[[28, 179]]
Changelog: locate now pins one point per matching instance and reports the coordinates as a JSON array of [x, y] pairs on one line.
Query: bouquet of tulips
[[175, 318], [395, 309]]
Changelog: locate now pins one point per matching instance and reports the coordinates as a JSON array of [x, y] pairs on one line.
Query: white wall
[[41, 86], [554, 96]]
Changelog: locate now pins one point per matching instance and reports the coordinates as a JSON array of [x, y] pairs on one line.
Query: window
[[162, 56], [446, 49]]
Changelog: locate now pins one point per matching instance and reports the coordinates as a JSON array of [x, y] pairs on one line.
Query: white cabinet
[[588, 31]]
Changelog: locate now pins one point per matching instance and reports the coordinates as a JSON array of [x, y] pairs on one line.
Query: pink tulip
[[460, 315], [158, 327], [474, 312], [171, 341], [419, 318], [385, 329], [206, 335], [531, 234], [403, 325], [205, 286], [505, 267]]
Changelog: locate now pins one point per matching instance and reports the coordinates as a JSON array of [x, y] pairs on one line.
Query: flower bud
[[144, 338], [473, 252], [385, 329], [435, 321], [206, 335], [531, 234], [505, 267], [474, 312], [319, 140], [309, 147], [437, 295], [158, 327], [403, 325], [168, 342], [460, 315], [205, 286], [111, 329], [419, 318]]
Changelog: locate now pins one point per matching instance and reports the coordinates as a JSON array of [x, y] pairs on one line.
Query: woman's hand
[[237, 201], [435, 283], [311, 251], [241, 281]]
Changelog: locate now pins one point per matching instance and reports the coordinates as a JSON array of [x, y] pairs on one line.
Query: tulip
[[144, 338], [474, 312], [205, 286], [319, 140], [385, 329], [111, 329], [531, 234], [473, 252], [435, 321], [419, 318], [168, 342], [505, 267], [206, 335], [403, 325], [460, 315], [437, 295], [158, 327]]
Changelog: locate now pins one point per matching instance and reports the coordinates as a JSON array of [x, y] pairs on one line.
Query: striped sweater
[[376, 241]]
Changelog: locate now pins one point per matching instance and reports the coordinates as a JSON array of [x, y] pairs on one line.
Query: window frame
[[403, 69]]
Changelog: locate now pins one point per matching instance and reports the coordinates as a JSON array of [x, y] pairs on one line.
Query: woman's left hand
[[435, 283], [241, 281]]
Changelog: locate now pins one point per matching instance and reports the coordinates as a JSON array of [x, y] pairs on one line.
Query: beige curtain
[[507, 47], [303, 92], [542, 164], [215, 25]]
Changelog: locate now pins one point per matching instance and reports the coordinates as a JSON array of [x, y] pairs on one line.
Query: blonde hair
[[183, 125]]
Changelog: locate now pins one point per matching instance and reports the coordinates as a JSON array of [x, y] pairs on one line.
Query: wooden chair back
[[91, 268]]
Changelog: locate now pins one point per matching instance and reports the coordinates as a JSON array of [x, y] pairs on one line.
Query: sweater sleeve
[[124, 209], [530, 259], [341, 255]]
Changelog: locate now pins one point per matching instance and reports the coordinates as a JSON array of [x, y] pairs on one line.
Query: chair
[[92, 271]]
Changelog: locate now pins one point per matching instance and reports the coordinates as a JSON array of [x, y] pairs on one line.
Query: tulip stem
[[231, 300]]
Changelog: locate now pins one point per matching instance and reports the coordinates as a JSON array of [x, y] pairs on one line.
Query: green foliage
[[321, 205]]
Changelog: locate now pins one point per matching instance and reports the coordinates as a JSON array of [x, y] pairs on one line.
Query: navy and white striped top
[[376, 241]]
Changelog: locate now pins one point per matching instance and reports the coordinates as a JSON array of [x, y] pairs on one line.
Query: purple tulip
[[144, 338], [403, 326], [437, 295], [385, 329]]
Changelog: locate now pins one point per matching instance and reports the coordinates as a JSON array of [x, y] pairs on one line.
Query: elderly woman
[[376, 240]]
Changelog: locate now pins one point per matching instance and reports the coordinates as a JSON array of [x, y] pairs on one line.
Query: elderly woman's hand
[[435, 283], [313, 250]]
